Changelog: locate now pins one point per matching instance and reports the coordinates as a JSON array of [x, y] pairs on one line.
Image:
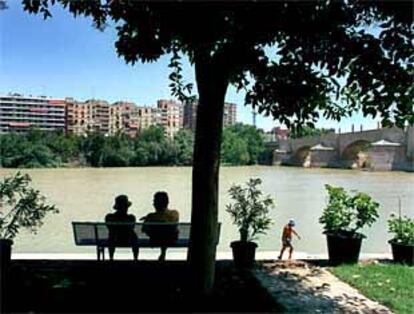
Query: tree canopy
[[49, 149], [242, 145], [295, 59]]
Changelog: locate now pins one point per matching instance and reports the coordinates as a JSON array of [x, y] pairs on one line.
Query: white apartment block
[[19, 114]]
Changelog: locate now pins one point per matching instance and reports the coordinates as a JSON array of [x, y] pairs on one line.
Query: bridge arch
[[301, 157], [355, 155]]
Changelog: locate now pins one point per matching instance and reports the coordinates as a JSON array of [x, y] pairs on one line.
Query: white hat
[[291, 222]]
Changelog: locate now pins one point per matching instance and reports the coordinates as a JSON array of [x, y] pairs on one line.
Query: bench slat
[[96, 233]]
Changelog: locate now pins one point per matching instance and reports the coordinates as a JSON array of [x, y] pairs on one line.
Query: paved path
[[303, 288], [176, 254]]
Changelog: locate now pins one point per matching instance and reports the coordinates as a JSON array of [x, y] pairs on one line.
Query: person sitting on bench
[[121, 227], [161, 235]]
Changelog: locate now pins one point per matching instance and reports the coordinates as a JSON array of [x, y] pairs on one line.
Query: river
[[86, 194]]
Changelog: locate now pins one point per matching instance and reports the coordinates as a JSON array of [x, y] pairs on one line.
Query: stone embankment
[[300, 287]]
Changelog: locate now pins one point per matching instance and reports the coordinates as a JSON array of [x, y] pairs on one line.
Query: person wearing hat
[[288, 231], [121, 227]]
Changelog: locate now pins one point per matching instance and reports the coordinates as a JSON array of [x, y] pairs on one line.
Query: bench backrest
[[91, 233]]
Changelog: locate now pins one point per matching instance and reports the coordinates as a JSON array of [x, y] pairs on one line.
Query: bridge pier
[[322, 156], [386, 156], [280, 157], [410, 147]]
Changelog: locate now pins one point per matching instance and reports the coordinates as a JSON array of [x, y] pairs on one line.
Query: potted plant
[[21, 206], [249, 212], [402, 244], [342, 219]]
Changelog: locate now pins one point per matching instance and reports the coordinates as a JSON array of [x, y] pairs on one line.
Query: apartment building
[[170, 116], [122, 118], [144, 117], [99, 116], [190, 114], [229, 114], [20, 113], [98, 113], [89, 116], [76, 117]]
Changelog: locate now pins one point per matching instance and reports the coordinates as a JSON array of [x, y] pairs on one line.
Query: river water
[[86, 194]]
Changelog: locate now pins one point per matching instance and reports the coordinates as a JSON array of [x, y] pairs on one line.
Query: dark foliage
[[296, 60]]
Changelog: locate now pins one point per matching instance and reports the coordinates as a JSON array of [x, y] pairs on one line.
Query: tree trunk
[[212, 84]]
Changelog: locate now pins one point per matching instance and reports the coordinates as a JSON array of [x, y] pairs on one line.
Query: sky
[[66, 57]]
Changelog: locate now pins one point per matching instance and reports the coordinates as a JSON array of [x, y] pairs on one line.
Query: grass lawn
[[389, 284]]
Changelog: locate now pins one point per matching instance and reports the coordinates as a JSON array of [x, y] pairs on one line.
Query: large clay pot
[[342, 249], [402, 253], [244, 253]]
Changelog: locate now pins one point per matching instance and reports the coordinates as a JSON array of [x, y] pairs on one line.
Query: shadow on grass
[[128, 287]]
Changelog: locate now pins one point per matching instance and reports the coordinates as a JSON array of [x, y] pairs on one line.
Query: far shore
[[71, 167]]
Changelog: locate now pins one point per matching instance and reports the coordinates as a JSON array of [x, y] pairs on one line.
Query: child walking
[[287, 238]]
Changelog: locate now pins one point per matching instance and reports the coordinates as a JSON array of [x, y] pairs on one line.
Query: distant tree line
[[242, 145]]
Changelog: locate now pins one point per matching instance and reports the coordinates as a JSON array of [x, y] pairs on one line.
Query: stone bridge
[[380, 149]]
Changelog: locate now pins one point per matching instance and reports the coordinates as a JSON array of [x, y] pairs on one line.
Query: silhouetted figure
[[161, 235], [121, 227]]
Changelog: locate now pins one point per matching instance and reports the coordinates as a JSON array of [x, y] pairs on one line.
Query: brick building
[[229, 114], [98, 116], [76, 117], [91, 116], [170, 116], [144, 117], [122, 118], [190, 114]]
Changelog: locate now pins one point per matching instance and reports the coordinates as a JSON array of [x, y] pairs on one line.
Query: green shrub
[[402, 228], [346, 214], [250, 210]]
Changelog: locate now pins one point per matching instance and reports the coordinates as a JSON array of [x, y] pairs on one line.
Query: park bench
[[97, 233]]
